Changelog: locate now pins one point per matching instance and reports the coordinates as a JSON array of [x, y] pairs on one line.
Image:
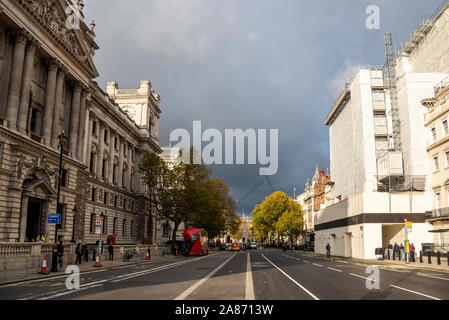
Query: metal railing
[[437, 213]]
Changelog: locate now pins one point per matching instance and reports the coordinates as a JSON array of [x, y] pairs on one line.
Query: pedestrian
[[85, 252], [54, 258], [78, 252], [401, 251], [60, 253], [111, 252], [328, 250], [395, 251]]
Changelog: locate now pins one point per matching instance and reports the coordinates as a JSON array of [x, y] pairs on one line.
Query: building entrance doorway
[[348, 244], [34, 214]]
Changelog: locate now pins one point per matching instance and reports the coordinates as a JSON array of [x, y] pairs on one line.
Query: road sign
[[408, 226], [54, 218], [98, 222]]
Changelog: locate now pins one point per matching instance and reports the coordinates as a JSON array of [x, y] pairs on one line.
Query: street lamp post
[[75, 211], [62, 141]]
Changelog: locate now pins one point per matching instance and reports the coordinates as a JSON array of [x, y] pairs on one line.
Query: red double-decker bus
[[196, 242]]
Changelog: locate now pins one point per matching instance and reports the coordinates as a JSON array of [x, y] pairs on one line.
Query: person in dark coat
[[111, 252], [78, 251], [86, 253], [395, 250], [60, 249], [328, 250]]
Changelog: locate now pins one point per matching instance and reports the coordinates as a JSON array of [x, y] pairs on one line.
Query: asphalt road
[[269, 274]]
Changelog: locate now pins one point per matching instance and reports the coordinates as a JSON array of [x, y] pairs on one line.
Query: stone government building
[[46, 85]]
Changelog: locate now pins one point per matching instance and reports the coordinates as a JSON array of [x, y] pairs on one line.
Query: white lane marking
[[356, 275], [160, 268], [293, 280], [318, 265], [306, 261], [415, 292], [429, 276], [249, 290], [334, 269], [187, 292], [73, 291], [93, 284]]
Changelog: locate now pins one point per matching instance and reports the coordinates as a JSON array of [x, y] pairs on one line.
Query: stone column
[[87, 128], [56, 125], [120, 163], [74, 118], [26, 87], [82, 126], [100, 149], [88, 148], [130, 162], [49, 109], [12, 105], [23, 218], [111, 156]]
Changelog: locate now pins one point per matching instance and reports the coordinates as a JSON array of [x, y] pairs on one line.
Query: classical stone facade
[[436, 122], [47, 87]]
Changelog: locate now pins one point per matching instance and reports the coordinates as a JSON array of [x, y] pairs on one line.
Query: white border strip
[[249, 290]]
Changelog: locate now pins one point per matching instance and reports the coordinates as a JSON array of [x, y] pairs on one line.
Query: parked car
[[229, 246], [236, 247], [252, 245]]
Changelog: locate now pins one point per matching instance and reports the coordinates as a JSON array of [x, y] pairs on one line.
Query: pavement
[[254, 274]]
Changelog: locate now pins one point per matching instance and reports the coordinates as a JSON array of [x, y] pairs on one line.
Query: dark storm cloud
[[248, 64]]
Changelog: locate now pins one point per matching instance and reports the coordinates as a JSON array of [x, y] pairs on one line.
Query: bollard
[[420, 256], [399, 256], [394, 255], [388, 254], [429, 260], [438, 258]]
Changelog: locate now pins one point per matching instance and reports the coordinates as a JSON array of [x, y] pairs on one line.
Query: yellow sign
[[407, 246], [409, 224]]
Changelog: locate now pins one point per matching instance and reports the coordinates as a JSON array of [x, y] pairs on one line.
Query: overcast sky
[[262, 64]]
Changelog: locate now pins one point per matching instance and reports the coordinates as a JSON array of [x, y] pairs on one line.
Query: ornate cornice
[[47, 15]]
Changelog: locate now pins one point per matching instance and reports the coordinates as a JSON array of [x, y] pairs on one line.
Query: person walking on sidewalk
[[111, 252], [395, 250], [60, 249], [85, 252], [78, 252], [328, 250]]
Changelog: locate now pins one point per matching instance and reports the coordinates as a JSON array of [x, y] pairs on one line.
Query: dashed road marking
[[293, 280], [318, 265], [356, 275], [415, 292], [334, 269], [430, 276]]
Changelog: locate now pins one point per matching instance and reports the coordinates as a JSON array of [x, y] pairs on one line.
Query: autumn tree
[[277, 215]]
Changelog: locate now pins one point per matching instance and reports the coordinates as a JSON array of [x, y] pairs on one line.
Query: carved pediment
[[61, 20]]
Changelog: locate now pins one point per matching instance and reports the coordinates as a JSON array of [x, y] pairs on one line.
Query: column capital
[[76, 85], [53, 64], [21, 36], [33, 44], [63, 71]]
